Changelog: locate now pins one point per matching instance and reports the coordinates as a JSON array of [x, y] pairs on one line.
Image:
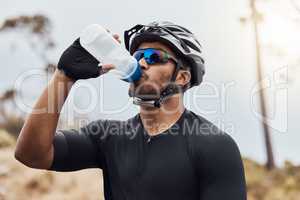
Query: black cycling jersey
[[192, 160]]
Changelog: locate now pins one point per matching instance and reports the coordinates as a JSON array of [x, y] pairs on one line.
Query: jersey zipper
[[149, 139]]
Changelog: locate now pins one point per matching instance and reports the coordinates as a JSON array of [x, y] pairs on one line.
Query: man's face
[[154, 77]]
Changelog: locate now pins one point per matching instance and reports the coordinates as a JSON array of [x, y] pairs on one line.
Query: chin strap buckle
[[140, 102]]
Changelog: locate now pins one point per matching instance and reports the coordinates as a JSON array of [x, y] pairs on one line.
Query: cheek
[[161, 75]]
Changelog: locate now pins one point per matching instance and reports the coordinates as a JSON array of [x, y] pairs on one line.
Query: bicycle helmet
[[183, 43]]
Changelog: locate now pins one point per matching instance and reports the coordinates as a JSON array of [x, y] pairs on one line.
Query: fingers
[[117, 37], [106, 68]]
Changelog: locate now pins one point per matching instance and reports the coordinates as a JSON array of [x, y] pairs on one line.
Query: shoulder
[[196, 125], [217, 161], [206, 138]]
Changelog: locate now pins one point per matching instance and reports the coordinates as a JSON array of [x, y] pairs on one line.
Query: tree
[[256, 18], [37, 30]]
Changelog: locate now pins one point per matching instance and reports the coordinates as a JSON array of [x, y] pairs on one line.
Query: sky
[[228, 96]]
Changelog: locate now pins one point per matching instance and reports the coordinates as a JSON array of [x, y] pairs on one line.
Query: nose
[[143, 64]]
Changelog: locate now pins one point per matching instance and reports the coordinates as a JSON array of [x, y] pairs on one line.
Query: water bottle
[[101, 44]]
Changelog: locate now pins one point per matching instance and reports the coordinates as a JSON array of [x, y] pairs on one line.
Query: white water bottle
[[101, 44]]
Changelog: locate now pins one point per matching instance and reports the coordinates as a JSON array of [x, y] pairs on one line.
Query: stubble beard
[[145, 89]]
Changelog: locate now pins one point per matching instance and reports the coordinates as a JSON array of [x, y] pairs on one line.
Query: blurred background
[[252, 53]]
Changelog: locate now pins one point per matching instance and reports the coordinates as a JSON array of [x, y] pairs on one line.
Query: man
[[165, 151]]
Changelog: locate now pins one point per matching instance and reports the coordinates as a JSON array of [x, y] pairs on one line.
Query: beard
[[145, 89]]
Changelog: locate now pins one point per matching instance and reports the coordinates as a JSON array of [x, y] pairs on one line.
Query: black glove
[[77, 63]]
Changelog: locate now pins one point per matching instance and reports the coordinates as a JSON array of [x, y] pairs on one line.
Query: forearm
[[36, 137]]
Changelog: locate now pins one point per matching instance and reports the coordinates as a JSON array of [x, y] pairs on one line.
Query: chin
[[144, 91]]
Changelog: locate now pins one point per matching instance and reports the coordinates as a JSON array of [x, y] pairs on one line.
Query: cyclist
[[165, 151]]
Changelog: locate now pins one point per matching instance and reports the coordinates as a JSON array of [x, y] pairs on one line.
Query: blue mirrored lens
[[138, 55], [151, 56]]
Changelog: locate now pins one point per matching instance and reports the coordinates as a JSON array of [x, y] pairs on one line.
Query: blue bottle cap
[[136, 75]]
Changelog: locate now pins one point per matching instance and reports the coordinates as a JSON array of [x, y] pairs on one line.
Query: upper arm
[[75, 150], [220, 165]]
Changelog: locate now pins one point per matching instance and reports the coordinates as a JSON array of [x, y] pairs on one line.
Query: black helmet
[[182, 42]]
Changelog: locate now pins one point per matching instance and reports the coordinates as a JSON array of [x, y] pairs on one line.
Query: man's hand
[[77, 63]]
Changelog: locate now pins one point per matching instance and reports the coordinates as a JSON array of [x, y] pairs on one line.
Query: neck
[[157, 120]]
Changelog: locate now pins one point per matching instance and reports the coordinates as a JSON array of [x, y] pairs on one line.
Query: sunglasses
[[153, 56]]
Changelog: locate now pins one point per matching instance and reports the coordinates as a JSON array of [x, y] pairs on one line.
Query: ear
[[183, 77]]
